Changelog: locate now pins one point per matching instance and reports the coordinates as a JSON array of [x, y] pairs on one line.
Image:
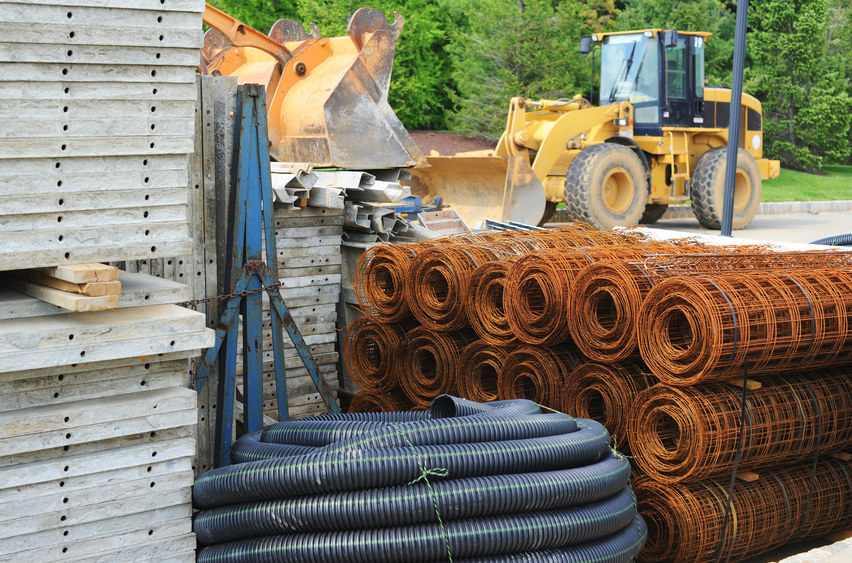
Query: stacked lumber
[[97, 109], [97, 427], [307, 243], [78, 287]]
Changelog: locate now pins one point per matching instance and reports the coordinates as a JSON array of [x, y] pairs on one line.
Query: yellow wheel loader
[[658, 137]]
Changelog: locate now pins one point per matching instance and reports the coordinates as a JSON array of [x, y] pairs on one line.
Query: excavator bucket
[[326, 97], [501, 188]]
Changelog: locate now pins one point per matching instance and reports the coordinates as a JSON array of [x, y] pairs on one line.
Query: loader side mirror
[[670, 37], [585, 44]]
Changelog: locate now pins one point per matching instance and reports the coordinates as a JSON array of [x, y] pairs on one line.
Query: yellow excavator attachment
[[326, 97], [502, 188]]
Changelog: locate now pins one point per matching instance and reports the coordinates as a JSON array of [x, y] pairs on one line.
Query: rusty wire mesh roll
[[689, 434], [485, 309], [438, 281], [606, 393], [372, 352], [538, 285], [393, 400], [479, 370], [430, 361], [607, 295], [685, 520], [538, 374], [379, 280], [700, 329]]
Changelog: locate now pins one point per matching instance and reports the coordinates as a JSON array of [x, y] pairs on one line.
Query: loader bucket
[[326, 97], [501, 188]]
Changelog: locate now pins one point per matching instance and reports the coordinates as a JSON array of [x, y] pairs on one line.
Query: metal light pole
[[734, 124]]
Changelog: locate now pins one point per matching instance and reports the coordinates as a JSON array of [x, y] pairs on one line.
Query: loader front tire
[[708, 189], [606, 186]]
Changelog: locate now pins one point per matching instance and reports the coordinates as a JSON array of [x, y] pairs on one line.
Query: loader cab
[[660, 72]]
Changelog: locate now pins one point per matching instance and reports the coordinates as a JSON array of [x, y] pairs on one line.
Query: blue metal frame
[[251, 222]]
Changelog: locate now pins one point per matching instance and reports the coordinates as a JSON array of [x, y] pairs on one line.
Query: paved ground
[[799, 228]]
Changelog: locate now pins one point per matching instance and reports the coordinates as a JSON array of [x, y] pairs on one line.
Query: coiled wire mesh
[[393, 400], [538, 373], [685, 520], [379, 280], [479, 371], [690, 433], [430, 361], [605, 393], [607, 295], [372, 352], [485, 309], [701, 329]]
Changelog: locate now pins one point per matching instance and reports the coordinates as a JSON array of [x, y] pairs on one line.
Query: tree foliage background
[[458, 62]]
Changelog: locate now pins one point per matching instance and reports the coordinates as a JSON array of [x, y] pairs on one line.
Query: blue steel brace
[[250, 225]]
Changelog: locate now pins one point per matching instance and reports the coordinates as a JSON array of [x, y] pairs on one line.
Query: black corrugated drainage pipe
[[466, 482]]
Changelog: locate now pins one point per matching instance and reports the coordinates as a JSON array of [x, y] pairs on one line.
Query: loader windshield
[[630, 71]]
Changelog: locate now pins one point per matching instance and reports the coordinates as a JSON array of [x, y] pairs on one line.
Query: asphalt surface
[[797, 228]]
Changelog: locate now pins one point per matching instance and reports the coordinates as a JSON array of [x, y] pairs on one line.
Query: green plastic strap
[[424, 475]]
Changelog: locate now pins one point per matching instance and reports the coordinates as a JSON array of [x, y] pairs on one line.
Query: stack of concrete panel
[[97, 117], [97, 427], [308, 248]]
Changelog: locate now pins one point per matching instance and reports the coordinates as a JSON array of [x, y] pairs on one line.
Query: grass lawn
[[799, 186]]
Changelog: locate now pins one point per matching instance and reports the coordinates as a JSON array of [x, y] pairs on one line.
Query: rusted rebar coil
[[690, 433], [485, 309], [372, 352], [606, 393], [478, 371], [437, 284], [430, 363], [393, 400], [701, 329], [379, 280], [538, 374], [685, 520], [607, 295], [538, 285]]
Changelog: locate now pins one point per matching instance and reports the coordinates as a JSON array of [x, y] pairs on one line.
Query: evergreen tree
[[806, 103]]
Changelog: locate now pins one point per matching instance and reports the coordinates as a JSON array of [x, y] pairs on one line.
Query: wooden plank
[[751, 384], [93, 289], [95, 54], [747, 476], [76, 73], [115, 455], [82, 273], [135, 532], [93, 146], [842, 456], [61, 460], [70, 301], [18, 258], [89, 14]]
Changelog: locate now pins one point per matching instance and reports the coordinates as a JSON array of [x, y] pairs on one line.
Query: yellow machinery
[[658, 137]]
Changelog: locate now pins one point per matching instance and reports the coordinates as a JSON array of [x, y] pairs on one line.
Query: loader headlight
[[622, 122]]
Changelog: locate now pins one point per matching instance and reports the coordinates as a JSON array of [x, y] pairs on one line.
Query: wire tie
[[424, 475]]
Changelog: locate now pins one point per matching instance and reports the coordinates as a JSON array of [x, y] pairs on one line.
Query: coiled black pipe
[[346, 488], [839, 240]]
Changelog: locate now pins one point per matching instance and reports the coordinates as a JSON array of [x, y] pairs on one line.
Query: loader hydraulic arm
[[242, 35]]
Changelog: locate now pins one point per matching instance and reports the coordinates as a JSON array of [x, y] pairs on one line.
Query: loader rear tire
[[708, 189], [653, 213], [606, 186]]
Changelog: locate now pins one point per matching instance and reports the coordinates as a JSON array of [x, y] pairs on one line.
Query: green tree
[[506, 48], [259, 14], [711, 16], [804, 89]]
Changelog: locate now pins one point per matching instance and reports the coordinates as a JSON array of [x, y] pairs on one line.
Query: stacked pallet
[[97, 119], [307, 243], [97, 426]]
